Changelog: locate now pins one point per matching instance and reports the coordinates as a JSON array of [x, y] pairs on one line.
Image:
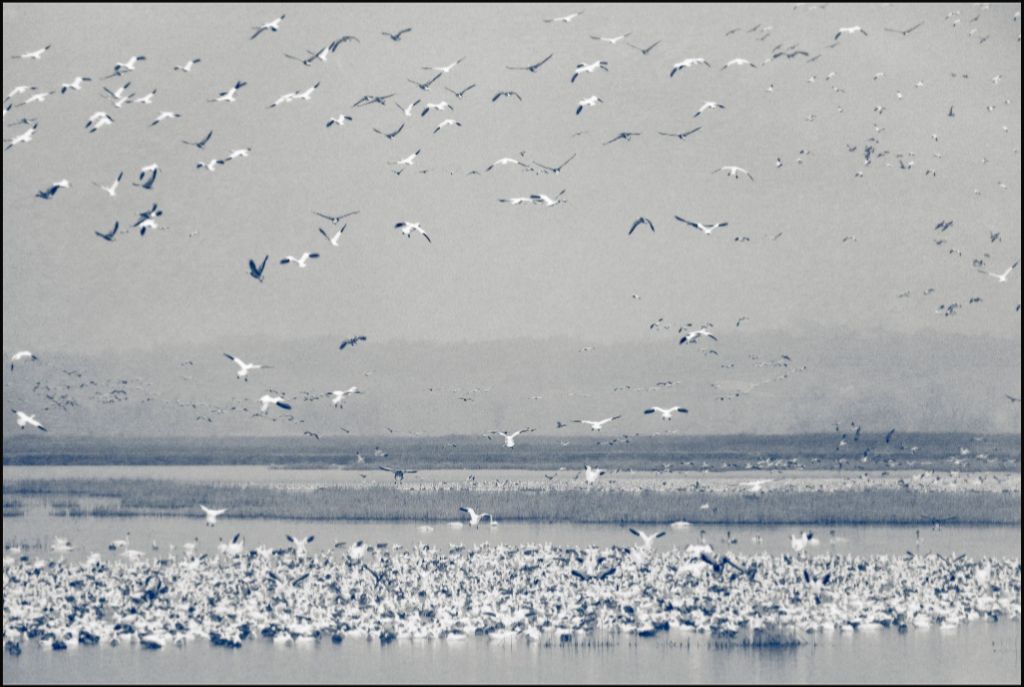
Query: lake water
[[37, 528], [981, 652]]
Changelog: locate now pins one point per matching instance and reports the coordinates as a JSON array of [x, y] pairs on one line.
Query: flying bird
[[201, 143], [338, 121], [849, 31], [708, 105], [342, 394], [350, 342], [271, 26], [228, 96], [257, 272], [613, 39], [336, 238], [22, 355], [687, 64], [692, 336], [596, 425], [682, 136], [445, 70], [302, 261], [266, 400], [647, 539], [506, 94], [734, 171], [533, 67], [445, 123], [408, 227], [51, 190], [584, 68], [706, 229], [74, 85], [587, 102], [244, 368], [396, 36], [464, 91], [1001, 277], [553, 170], [564, 20], [510, 437], [212, 515], [639, 221], [32, 55], [109, 236], [187, 67], [666, 413], [397, 472], [26, 420], [623, 136]]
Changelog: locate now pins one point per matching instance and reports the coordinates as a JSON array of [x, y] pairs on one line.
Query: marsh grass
[[65, 508], [870, 506], [13, 508]]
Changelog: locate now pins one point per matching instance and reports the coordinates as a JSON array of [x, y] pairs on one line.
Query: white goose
[[74, 85], [510, 437], [446, 123], [302, 261], [26, 420], [271, 26], [705, 229], [300, 544], [23, 137], [584, 68], [266, 400], [849, 31], [97, 121], [228, 96], [734, 171], [244, 368], [647, 539], [1003, 276], [439, 106], [474, 517], [408, 227], [596, 425], [32, 55], [112, 189], [687, 64], [708, 105], [564, 20], [739, 62], [187, 67], [340, 120], [342, 394], [587, 102], [212, 515], [445, 70], [666, 413], [22, 355], [408, 160], [592, 474], [695, 334]]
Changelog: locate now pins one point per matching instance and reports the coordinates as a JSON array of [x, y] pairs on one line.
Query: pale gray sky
[[495, 271]]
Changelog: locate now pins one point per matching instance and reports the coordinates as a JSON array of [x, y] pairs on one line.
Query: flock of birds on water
[[537, 592]]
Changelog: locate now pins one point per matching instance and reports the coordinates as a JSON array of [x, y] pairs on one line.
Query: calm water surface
[[982, 652], [37, 528]]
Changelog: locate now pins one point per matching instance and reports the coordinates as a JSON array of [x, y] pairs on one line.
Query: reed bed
[[385, 502]]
